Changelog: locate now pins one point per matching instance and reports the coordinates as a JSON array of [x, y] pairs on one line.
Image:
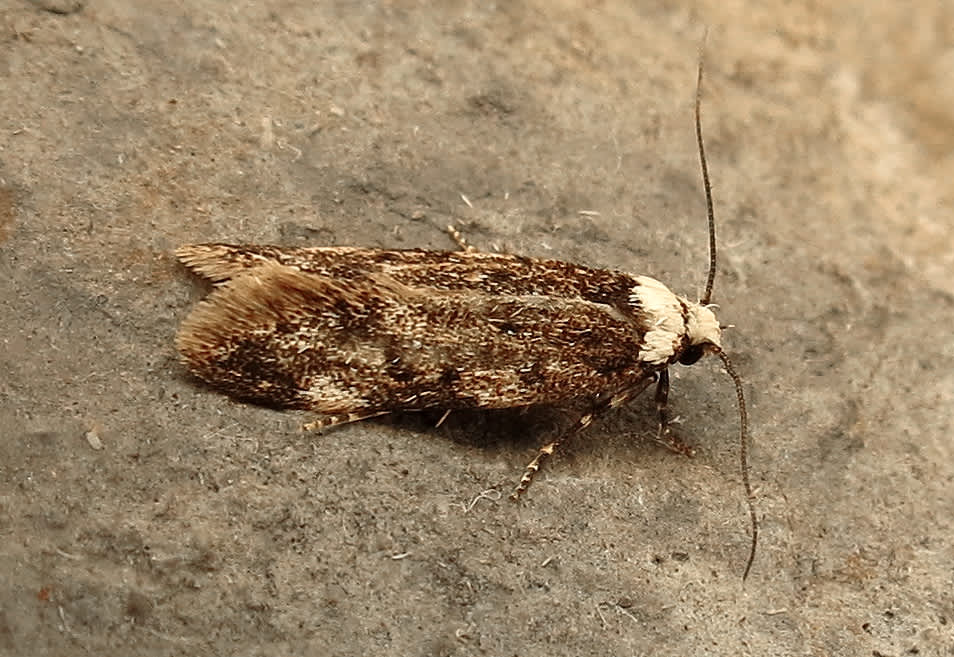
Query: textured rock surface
[[202, 526]]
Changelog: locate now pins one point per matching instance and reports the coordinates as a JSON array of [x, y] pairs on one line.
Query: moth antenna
[[710, 213], [744, 458]]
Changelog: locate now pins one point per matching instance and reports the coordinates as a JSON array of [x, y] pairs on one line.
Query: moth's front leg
[[662, 403], [664, 436]]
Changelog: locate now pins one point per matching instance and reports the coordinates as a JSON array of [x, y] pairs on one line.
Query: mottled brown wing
[[285, 337], [489, 273]]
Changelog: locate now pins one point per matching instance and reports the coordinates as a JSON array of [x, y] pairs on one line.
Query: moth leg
[[458, 237], [664, 436], [613, 401], [662, 403], [443, 417], [545, 452], [328, 421]]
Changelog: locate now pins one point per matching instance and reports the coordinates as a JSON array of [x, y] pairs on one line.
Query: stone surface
[[207, 527]]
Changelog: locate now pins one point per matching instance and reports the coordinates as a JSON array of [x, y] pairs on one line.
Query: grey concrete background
[[141, 514]]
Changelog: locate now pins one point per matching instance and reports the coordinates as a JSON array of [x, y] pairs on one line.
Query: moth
[[351, 332]]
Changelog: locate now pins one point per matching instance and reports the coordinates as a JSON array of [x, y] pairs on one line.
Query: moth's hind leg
[[328, 421], [458, 237], [612, 401], [546, 452], [664, 436]]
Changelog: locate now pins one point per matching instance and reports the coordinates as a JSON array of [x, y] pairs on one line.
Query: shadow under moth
[[351, 333]]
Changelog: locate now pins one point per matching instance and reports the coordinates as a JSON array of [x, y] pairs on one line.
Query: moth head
[[676, 329], [704, 333]]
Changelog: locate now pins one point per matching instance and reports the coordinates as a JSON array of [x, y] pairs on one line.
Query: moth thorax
[[702, 327], [675, 328]]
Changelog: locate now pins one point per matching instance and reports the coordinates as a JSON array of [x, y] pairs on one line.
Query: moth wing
[[219, 263], [491, 274], [250, 338], [293, 339]]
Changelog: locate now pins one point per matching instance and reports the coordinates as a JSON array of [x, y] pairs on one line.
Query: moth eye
[[692, 354]]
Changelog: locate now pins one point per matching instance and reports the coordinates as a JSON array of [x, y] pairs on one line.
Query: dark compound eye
[[692, 354]]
